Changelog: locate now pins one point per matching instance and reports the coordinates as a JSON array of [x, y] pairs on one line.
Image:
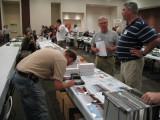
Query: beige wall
[[41, 11], [12, 9], [2, 15], [55, 12], [146, 3], [40, 14], [94, 12], [77, 6], [74, 18]]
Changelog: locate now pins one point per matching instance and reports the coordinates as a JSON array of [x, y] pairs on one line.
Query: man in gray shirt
[[110, 38]]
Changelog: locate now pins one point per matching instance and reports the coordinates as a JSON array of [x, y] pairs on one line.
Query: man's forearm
[[60, 85], [114, 48], [151, 46]]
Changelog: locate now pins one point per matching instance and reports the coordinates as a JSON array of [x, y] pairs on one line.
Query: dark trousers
[[6, 38], [32, 97]]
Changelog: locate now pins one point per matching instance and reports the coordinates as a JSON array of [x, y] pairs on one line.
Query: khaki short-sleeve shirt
[[44, 63]]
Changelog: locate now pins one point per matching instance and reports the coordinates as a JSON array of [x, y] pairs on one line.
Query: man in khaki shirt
[[46, 64]]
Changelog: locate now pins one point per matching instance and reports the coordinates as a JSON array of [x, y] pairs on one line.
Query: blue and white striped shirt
[[135, 35]]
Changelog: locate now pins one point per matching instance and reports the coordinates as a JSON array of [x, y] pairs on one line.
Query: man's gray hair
[[132, 6], [102, 18]]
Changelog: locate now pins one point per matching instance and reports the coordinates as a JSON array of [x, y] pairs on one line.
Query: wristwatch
[[143, 53]]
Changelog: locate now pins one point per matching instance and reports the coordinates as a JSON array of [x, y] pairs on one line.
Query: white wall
[[20, 14], [12, 9], [110, 3], [146, 3], [40, 14], [2, 15], [74, 6], [55, 13], [74, 18], [40, 10], [93, 13], [79, 6]]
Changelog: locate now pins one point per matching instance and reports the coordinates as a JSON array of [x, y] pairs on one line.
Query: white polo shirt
[[61, 34]]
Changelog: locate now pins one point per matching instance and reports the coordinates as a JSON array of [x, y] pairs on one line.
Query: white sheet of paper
[[102, 50]]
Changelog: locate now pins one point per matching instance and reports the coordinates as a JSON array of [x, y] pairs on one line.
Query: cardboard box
[[58, 95], [69, 108], [78, 116], [60, 98]]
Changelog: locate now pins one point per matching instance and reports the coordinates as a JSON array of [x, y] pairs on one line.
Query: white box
[[86, 73], [71, 70], [86, 70], [86, 65]]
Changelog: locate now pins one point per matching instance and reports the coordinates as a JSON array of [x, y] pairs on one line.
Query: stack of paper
[[71, 70], [86, 69]]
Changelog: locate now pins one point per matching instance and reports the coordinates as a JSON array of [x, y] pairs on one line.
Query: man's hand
[[151, 97], [108, 48], [96, 50], [136, 52], [71, 83]]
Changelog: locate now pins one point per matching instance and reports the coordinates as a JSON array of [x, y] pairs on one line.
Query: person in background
[[49, 34], [86, 34], [114, 28], [118, 30], [136, 34], [32, 70], [67, 35], [54, 30], [60, 35], [42, 29], [6, 33], [76, 30], [34, 35], [153, 29], [75, 35], [28, 43], [29, 29], [110, 38], [45, 32]]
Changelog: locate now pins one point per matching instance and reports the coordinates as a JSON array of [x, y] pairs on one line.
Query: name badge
[[125, 32], [99, 39]]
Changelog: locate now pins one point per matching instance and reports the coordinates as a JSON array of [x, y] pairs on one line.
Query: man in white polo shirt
[[60, 33]]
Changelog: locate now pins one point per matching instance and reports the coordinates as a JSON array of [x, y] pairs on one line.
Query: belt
[[104, 56], [125, 60], [23, 74], [31, 76], [128, 60]]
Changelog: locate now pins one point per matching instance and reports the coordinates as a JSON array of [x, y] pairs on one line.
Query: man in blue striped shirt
[[136, 34]]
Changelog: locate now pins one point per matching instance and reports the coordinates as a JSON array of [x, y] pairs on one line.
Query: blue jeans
[[32, 97], [6, 38]]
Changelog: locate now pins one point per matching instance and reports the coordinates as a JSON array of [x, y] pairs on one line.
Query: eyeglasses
[[103, 23]]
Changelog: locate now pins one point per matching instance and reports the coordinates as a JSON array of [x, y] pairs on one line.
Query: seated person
[[86, 34], [28, 43]]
